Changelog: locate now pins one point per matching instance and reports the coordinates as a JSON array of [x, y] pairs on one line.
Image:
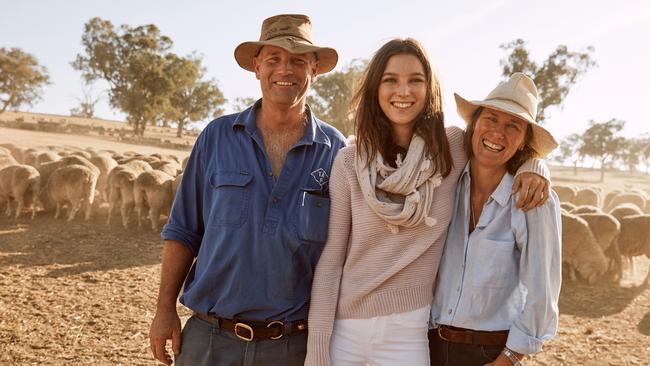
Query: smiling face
[[496, 138], [284, 77], [402, 91]]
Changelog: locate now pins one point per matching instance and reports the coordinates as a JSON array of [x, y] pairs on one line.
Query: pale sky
[[462, 37]]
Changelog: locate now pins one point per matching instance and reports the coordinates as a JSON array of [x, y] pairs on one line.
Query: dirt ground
[[84, 293]]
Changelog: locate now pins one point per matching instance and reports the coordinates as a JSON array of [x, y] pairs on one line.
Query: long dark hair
[[374, 133], [520, 157]]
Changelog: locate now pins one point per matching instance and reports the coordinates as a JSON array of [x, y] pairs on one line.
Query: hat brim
[[327, 57], [543, 142]]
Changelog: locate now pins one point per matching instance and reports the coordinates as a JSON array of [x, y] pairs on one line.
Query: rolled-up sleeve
[[185, 222], [539, 233]]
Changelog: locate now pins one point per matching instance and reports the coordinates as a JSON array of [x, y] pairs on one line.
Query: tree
[[192, 99], [21, 79], [601, 143], [240, 104], [132, 61], [554, 77], [631, 153], [87, 103], [569, 149], [331, 95]]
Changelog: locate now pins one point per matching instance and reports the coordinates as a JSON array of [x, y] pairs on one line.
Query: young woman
[[497, 291], [391, 202]]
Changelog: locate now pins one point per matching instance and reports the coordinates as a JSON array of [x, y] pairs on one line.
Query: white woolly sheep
[[120, 186], [565, 193], [634, 239], [585, 209], [73, 185], [609, 197], [105, 164], [588, 196], [625, 209], [7, 160], [20, 183], [568, 206], [46, 157], [580, 250], [633, 198], [606, 230], [154, 189]]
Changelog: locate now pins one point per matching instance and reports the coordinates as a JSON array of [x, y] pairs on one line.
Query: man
[[250, 217]]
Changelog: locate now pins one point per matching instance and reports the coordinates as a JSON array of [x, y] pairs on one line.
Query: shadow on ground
[[75, 247]]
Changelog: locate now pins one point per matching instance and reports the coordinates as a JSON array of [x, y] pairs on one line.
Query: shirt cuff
[[176, 233], [318, 349], [521, 342], [537, 166]]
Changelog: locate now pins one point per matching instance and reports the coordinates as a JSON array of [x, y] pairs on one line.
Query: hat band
[[514, 102], [288, 35]]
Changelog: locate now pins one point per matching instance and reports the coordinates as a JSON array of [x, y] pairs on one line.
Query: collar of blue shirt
[[313, 132], [502, 193]]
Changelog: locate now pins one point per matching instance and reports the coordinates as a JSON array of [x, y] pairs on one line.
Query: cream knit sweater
[[365, 270]]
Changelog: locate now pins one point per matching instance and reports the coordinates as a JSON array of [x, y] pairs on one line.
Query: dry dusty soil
[[83, 293]]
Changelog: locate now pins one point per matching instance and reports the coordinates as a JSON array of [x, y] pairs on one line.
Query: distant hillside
[[117, 130]]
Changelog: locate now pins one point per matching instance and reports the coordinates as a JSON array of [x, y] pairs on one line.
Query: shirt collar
[[313, 131], [501, 194]]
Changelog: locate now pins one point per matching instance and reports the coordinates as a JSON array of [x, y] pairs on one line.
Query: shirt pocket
[[313, 215], [231, 197], [494, 264]]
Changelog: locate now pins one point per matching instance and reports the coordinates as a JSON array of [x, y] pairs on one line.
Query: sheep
[[21, 183], [153, 188], [609, 197], [84, 154], [585, 209], [7, 160], [5, 152], [565, 193], [568, 206], [580, 250], [634, 239], [16, 152], [621, 198], [47, 169], [176, 184], [29, 157], [588, 196], [105, 164], [46, 157], [184, 164], [75, 185], [120, 186], [646, 209], [606, 230], [625, 209], [170, 167]]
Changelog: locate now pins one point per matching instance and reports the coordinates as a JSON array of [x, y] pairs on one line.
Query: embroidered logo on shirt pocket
[[231, 197], [494, 265]]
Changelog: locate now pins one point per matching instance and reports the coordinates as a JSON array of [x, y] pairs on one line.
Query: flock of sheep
[[602, 230], [53, 178]]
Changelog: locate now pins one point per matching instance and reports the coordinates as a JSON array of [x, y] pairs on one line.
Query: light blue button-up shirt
[[506, 274]]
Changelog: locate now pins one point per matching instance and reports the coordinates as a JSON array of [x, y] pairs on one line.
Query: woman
[[391, 202], [499, 280]]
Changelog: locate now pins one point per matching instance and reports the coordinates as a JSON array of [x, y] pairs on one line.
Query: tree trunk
[[575, 168], [181, 126], [602, 171]]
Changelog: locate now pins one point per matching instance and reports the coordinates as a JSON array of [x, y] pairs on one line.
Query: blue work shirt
[[256, 239], [506, 274]]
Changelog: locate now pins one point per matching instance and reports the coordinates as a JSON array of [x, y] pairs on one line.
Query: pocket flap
[[228, 178]]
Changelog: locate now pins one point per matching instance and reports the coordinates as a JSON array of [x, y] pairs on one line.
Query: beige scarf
[[401, 196]]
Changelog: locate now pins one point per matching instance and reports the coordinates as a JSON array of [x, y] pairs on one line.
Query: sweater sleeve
[[537, 166], [327, 279]]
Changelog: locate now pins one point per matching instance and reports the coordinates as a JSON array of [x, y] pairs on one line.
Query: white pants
[[395, 339]]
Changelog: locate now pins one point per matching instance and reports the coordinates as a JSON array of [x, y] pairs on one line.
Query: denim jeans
[[443, 353], [206, 344]]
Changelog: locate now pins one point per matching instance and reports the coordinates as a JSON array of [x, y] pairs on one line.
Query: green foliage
[[601, 143], [554, 78], [21, 79], [331, 95], [192, 99], [240, 104], [569, 149], [146, 80]]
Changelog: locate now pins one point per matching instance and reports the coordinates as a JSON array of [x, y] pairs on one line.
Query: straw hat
[[516, 96], [291, 32]]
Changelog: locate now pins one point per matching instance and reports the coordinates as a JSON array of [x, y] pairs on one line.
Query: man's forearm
[[176, 262]]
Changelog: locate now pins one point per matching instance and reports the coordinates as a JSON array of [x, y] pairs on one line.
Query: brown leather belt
[[475, 337], [250, 331]]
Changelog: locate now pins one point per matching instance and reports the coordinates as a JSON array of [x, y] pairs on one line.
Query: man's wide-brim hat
[[516, 96], [291, 32]]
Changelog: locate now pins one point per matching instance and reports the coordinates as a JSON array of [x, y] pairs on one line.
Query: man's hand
[[533, 190], [166, 325]]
